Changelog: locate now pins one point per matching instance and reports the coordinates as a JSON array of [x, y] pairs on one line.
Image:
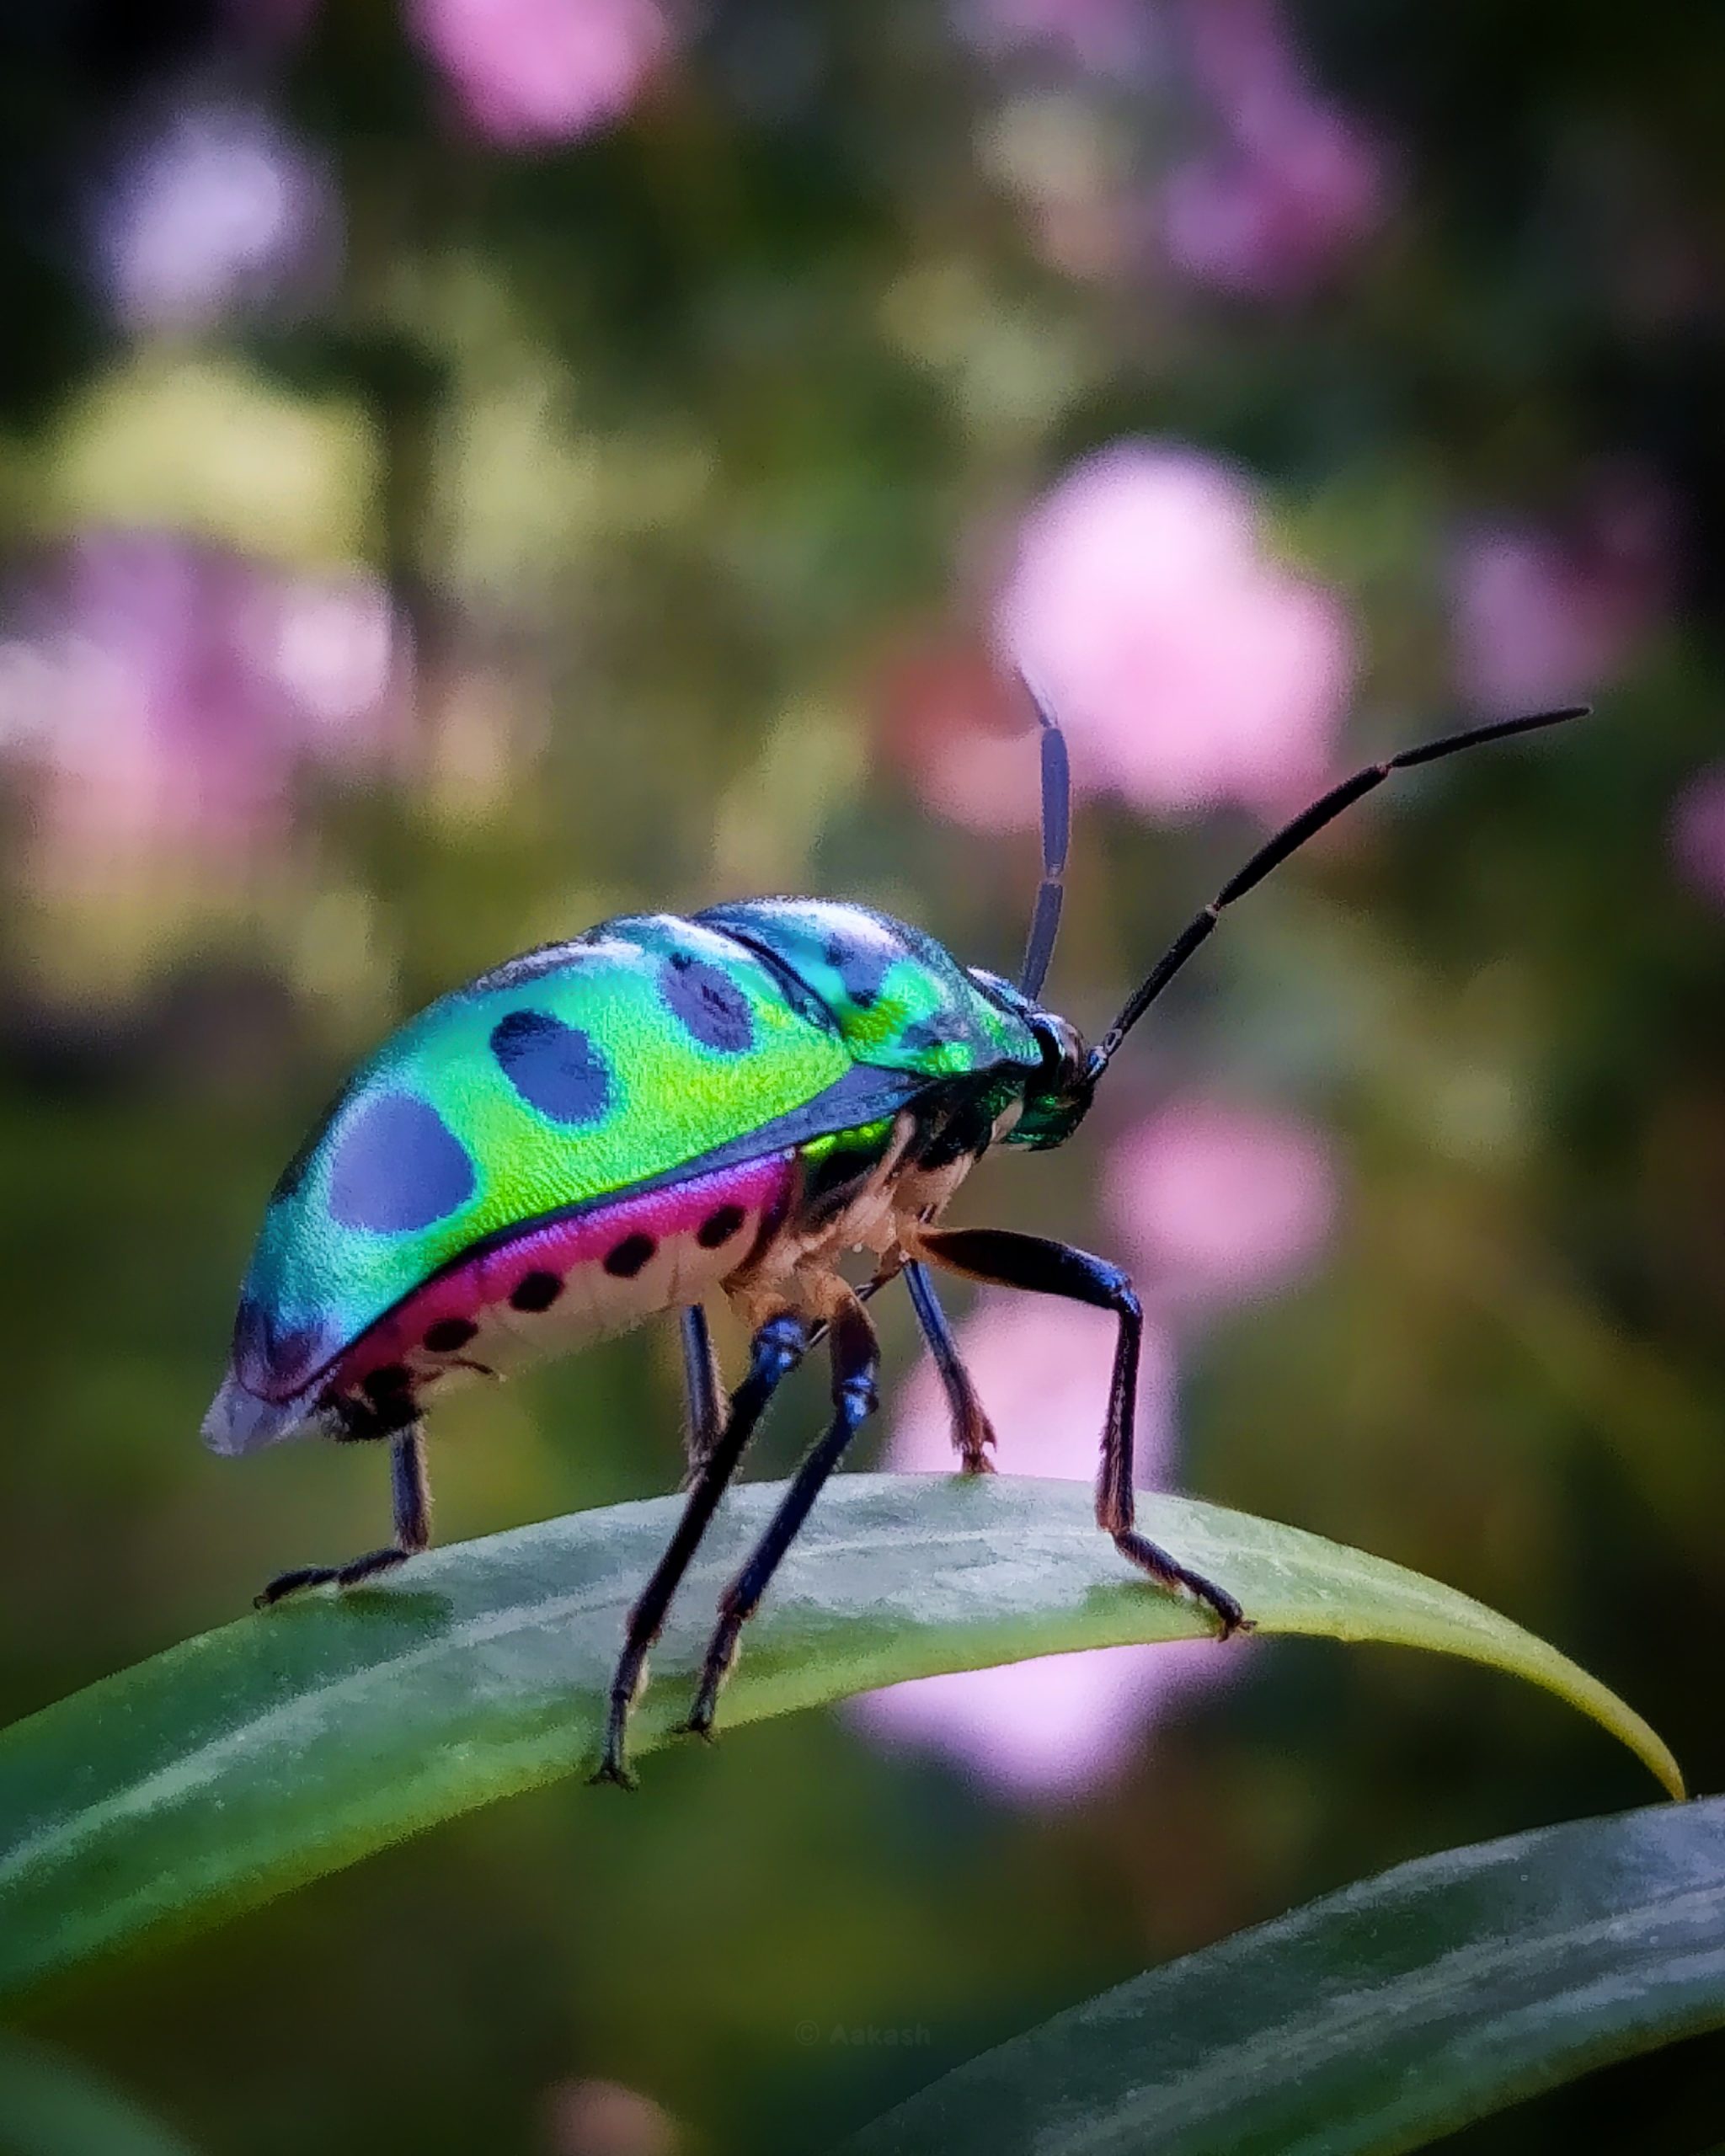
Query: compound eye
[[1062, 1050]]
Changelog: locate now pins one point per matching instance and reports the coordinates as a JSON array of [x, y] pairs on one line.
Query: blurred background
[[468, 467]]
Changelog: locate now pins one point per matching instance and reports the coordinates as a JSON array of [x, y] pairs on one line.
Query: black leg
[[412, 1490], [1051, 1268], [855, 1360], [703, 1392], [972, 1431], [779, 1348]]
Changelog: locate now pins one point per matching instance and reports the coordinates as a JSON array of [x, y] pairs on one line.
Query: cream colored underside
[[798, 1271]]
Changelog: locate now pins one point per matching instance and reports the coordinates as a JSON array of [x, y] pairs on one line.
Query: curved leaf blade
[[52, 2105], [1372, 2021], [250, 1760]]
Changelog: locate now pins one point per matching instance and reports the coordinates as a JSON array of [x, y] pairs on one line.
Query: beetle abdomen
[[552, 1097], [566, 1079], [521, 1298]]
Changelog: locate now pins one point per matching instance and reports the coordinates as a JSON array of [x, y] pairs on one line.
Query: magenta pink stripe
[[470, 1289]]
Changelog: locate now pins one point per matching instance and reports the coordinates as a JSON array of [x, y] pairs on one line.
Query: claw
[[1230, 1617], [286, 1584]]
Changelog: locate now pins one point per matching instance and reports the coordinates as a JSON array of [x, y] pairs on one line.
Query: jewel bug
[[669, 1109]]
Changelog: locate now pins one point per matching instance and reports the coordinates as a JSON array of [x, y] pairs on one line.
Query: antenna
[[1056, 834], [1275, 850]]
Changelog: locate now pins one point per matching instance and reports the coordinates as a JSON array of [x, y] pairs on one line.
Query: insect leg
[[972, 1431], [412, 1490], [703, 1390], [1052, 1268], [410, 1486], [856, 1361], [778, 1347]]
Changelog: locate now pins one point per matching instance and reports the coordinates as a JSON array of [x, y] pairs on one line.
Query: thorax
[[867, 1193]]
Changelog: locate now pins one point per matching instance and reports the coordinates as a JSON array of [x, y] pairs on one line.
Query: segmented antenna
[[1275, 850], [1056, 834]]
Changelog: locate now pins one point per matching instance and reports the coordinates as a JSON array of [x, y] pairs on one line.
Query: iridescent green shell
[[901, 1001], [651, 1047], [565, 1076]]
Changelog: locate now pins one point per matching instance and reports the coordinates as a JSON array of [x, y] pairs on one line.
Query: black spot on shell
[[397, 1166], [555, 1068], [391, 1407], [448, 1334], [389, 1383], [624, 1260], [942, 1032], [718, 1227], [707, 1004], [536, 1291], [862, 968]]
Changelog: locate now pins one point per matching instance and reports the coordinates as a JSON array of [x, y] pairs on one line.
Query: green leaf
[[1376, 2019], [284, 1746], [52, 2105]]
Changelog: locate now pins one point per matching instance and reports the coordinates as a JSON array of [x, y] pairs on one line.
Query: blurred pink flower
[[1113, 39], [1698, 832], [1189, 669], [266, 23], [220, 208], [161, 696], [1542, 614], [1216, 1202], [527, 72], [602, 2118], [1054, 1728], [1296, 184]]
